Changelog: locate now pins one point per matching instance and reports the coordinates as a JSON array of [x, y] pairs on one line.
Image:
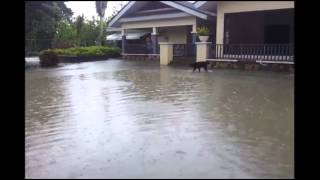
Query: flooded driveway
[[129, 119]]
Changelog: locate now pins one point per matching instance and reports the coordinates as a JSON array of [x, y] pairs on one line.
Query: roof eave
[[174, 4]]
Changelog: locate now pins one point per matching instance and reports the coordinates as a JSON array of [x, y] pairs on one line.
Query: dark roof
[[191, 6], [183, 3]]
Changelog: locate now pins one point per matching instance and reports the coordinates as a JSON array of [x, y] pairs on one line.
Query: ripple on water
[[104, 117]]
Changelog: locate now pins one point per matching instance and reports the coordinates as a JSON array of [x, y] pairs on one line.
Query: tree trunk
[[99, 41]]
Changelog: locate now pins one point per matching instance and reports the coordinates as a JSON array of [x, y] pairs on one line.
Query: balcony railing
[[185, 50], [247, 52]]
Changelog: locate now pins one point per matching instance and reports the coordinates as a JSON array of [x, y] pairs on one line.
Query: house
[[242, 30]]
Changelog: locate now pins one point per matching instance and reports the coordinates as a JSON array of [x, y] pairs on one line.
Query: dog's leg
[[199, 68], [205, 68], [194, 68]]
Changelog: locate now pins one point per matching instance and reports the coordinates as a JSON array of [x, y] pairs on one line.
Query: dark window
[[277, 34], [258, 27]]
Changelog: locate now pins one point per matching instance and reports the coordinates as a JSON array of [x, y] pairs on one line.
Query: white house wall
[[177, 35]]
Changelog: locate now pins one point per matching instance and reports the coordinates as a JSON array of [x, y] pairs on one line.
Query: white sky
[[88, 8]]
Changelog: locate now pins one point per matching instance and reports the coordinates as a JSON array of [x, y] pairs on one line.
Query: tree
[[41, 20], [66, 35], [101, 8], [42, 17], [79, 23], [78, 32]]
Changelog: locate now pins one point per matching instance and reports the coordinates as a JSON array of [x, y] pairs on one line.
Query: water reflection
[[120, 119]]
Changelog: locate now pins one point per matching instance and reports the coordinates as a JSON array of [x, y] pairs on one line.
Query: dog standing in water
[[199, 65]]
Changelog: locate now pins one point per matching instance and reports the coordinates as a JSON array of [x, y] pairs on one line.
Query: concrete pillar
[[154, 39], [166, 53], [202, 51], [194, 38], [220, 24], [123, 42]]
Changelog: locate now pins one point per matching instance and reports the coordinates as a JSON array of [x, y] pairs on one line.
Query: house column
[[154, 39], [194, 38], [123, 45], [166, 52], [202, 51], [220, 25]]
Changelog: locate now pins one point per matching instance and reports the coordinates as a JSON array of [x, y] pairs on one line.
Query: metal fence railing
[[33, 46], [141, 49], [266, 52], [185, 50]]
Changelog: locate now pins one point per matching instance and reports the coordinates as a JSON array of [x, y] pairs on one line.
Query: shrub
[[48, 59], [88, 51], [203, 31]]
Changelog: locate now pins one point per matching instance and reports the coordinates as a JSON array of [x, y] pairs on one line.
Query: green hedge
[[87, 51]]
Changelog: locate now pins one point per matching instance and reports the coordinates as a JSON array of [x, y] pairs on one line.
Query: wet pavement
[[131, 119]]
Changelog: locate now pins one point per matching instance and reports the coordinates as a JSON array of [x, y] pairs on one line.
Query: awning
[[129, 35]]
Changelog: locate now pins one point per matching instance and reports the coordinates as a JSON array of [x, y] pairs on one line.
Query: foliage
[[87, 51], [65, 36], [78, 32], [48, 59], [41, 21], [49, 24], [203, 31], [41, 18], [79, 24]]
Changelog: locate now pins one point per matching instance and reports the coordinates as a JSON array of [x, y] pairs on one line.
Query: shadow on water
[[131, 119]]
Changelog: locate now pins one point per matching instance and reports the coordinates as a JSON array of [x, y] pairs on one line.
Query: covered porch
[[139, 39], [261, 32], [163, 21]]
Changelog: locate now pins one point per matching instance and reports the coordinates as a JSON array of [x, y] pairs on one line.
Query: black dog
[[199, 65]]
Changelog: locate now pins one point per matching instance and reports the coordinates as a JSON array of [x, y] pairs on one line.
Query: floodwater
[[131, 119]]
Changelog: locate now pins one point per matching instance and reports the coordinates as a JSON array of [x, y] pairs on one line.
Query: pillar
[[220, 25], [123, 42], [154, 39], [166, 53], [202, 51], [194, 38]]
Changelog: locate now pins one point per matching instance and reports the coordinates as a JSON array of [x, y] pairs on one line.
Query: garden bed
[[85, 54]]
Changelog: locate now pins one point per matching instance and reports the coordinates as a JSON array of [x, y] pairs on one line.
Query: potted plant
[[203, 33]]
